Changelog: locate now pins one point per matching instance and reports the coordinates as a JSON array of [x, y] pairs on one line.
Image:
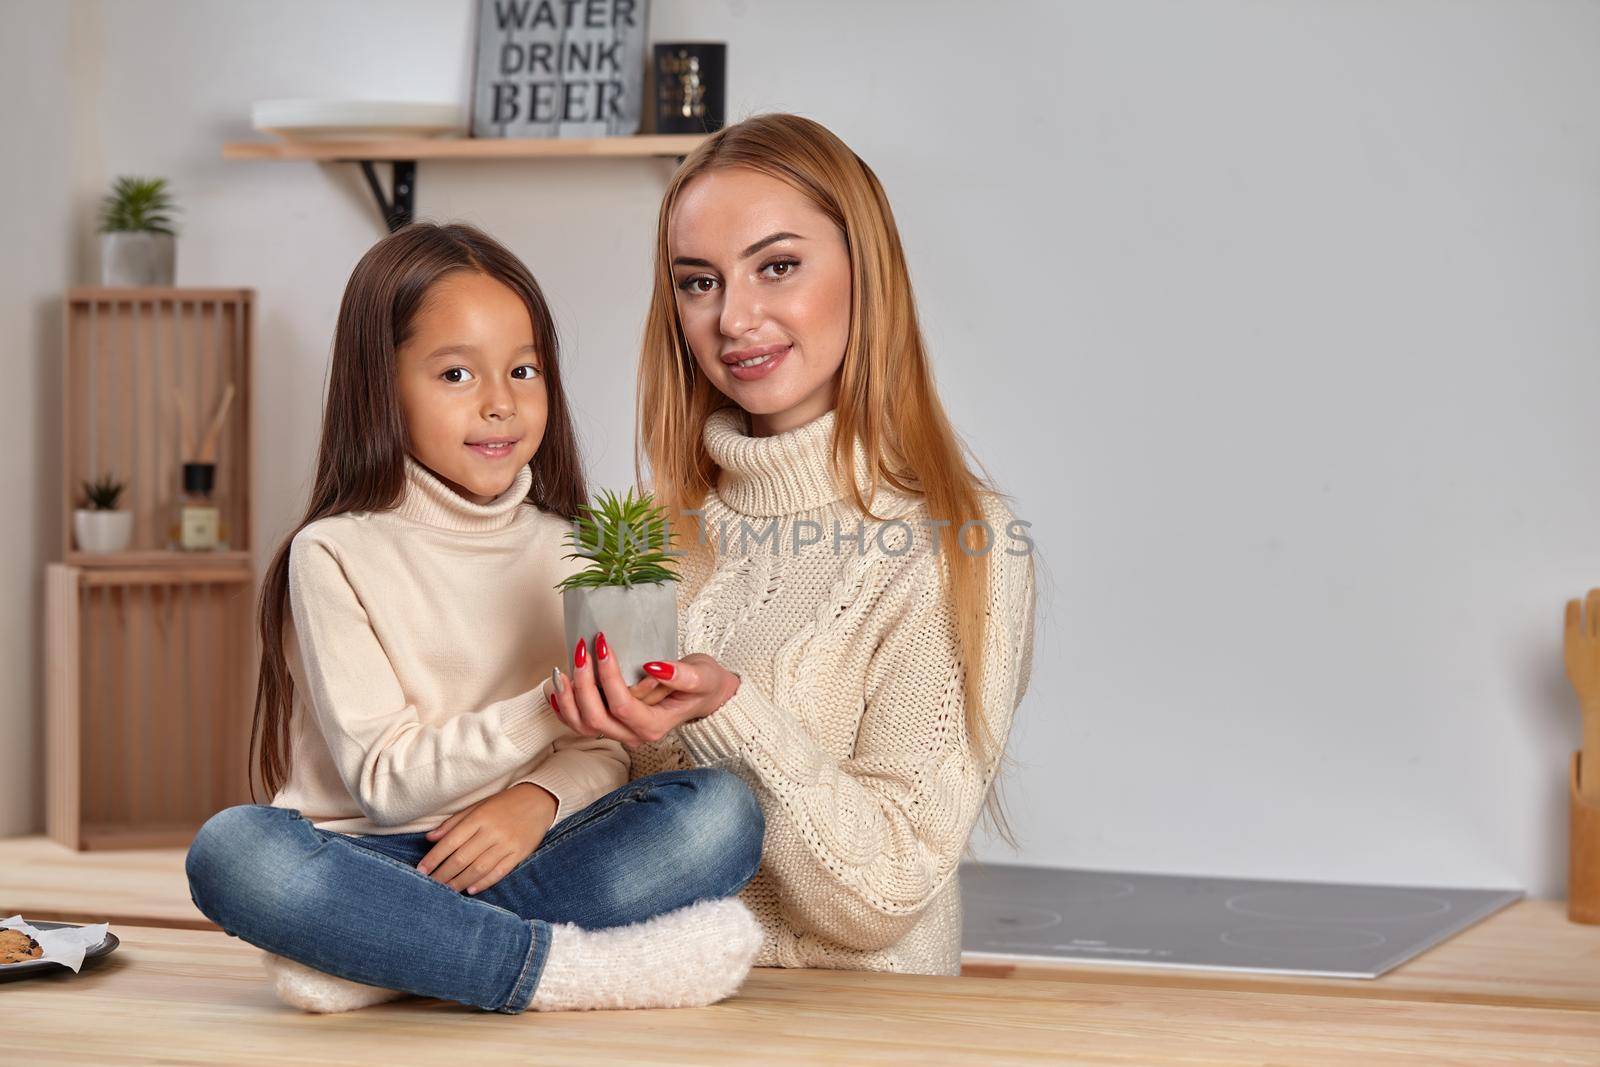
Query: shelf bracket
[[397, 209]]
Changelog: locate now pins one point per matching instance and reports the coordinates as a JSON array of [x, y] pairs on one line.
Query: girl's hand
[[596, 702], [478, 846]]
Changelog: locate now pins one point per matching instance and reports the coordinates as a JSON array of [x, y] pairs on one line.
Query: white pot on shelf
[[102, 531]]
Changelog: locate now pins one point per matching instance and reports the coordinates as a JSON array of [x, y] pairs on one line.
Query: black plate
[[32, 967]]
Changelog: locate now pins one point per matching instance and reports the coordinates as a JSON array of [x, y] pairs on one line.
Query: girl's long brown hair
[[886, 395], [361, 459]]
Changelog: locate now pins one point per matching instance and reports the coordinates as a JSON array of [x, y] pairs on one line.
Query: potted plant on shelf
[[98, 526], [137, 242], [629, 590]]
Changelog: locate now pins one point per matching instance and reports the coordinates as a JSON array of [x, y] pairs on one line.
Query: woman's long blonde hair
[[886, 395]]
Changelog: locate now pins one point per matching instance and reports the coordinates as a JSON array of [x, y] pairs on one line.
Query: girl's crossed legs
[[358, 908]]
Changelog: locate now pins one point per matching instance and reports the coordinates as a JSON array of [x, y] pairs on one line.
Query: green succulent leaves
[[625, 540], [102, 494], [138, 205]]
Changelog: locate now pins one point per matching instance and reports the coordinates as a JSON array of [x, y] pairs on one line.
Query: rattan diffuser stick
[[208, 443], [206, 450]]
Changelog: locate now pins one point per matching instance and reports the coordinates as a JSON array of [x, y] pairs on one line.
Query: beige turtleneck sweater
[[850, 722], [420, 643]]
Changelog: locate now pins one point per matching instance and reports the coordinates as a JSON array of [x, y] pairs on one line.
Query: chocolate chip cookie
[[18, 947]]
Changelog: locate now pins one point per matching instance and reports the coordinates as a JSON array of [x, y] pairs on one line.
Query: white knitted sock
[[309, 989], [686, 958]]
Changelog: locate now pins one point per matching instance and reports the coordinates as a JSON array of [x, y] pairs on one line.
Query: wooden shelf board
[[171, 559], [418, 148], [141, 294], [145, 576]]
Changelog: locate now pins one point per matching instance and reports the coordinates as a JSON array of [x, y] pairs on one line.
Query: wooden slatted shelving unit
[[150, 652]]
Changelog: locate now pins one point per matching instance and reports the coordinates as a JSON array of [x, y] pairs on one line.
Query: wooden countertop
[[1528, 954], [187, 996], [1523, 986]]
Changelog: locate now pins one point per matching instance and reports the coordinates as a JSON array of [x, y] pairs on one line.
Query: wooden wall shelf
[[397, 205], [414, 148]]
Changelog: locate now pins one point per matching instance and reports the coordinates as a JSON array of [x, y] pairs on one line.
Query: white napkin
[[65, 946]]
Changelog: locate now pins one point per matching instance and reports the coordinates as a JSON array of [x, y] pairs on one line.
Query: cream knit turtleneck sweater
[[420, 643], [850, 722]]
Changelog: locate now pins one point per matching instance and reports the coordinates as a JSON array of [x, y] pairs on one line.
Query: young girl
[[858, 620], [434, 827]]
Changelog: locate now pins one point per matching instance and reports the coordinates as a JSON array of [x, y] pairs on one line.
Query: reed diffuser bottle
[[198, 525], [197, 518]]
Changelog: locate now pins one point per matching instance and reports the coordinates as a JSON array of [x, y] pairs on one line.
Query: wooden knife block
[[1583, 871]]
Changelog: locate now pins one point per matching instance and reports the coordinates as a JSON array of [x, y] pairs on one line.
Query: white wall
[[42, 165], [1278, 321]]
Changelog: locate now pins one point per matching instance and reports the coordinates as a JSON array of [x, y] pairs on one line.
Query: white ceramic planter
[[640, 622], [102, 531], [137, 258]]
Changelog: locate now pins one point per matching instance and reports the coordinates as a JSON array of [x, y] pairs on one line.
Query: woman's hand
[[478, 846], [597, 703]]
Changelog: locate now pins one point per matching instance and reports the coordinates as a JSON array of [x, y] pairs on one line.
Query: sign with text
[[559, 68]]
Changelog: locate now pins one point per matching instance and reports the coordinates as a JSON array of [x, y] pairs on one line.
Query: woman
[[857, 611]]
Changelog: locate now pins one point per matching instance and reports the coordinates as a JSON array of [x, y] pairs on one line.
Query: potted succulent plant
[[137, 245], [629, 590], [98, 526]]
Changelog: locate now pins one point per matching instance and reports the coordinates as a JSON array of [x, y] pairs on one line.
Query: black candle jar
[[691, 87]]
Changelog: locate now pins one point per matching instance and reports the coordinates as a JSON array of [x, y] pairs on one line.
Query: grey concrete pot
[[640, 622], [136, 257]]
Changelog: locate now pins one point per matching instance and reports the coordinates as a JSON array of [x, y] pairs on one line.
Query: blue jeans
[[357, 907]]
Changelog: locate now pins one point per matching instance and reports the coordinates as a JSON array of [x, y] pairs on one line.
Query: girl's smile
[[494, 447]]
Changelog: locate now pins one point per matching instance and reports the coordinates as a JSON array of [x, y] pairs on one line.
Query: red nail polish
[[660, 670], [600, 648], [580, 655], [552, 697]]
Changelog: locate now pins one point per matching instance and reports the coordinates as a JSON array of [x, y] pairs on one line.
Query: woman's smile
[[752, 364]]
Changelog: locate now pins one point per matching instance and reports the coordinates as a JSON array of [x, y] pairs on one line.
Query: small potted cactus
[[629, 590], [137, 243], [98, 526]]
